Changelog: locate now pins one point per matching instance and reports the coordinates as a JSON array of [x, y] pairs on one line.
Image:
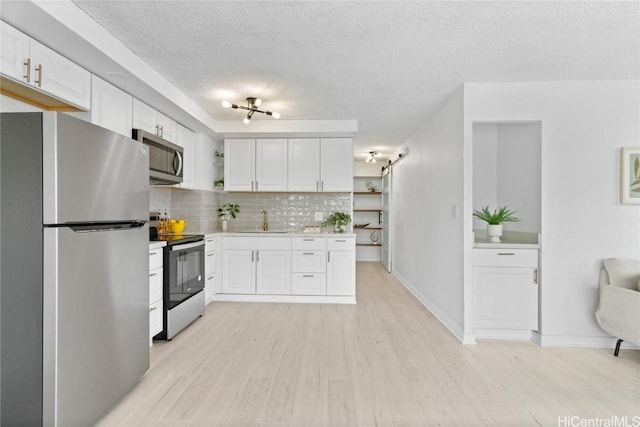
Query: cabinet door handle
[[161, 131], [38, 80], [251, 185], [27, 71], [157, 130], [257, 256], [535, 276], [153, 274], [256, 185], [152, 253], [329, 256], [210, 278], [252, 255], [317, 185], [321, 185], [505, 253], [152, 308]]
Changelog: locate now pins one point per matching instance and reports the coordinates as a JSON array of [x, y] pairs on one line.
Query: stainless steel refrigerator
[[74, 267]]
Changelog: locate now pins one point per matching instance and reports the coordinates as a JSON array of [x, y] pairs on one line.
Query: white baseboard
[[503, 334], [311, 299], [571, 341], [443, 318]]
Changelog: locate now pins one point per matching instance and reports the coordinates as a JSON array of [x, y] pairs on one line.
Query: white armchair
[[618, 312]]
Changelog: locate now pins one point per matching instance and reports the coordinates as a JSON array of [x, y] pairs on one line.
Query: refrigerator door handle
[[97, 227]]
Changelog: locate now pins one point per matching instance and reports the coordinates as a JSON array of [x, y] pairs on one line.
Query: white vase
[[224, 225], [494, 232]]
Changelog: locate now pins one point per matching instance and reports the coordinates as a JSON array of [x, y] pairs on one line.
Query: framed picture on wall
[[630, 175]]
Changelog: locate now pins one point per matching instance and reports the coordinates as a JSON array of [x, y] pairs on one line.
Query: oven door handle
[[186, 246]]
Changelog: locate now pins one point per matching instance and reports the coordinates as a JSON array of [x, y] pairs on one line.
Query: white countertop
[[156, 245], [283, 234], [510, 240]]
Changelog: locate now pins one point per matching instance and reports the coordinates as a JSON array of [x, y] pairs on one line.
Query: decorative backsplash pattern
[[286, 211]]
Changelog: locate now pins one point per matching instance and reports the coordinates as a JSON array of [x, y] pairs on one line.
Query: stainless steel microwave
[[165, 158]]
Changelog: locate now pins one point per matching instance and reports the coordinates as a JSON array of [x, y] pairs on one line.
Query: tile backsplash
[[286, 211]]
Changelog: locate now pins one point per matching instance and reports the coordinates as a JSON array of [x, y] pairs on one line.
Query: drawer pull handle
[[307, 253], [153, 253], [210, 278], [341, 241], [308, 275], [153, 274], [506, 253], [152, 308], [210, 254], [308, 240]]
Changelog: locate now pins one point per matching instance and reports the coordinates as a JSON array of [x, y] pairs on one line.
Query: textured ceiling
[[386, 64]]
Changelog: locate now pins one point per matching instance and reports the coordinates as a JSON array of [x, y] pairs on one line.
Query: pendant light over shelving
[[372, 157]]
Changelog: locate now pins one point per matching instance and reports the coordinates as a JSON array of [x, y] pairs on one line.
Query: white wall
[[518, 173], [506, 171], [427, 187], [582, 222], [362, 168]]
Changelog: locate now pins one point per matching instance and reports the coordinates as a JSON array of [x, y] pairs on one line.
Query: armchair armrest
[[618, 312]]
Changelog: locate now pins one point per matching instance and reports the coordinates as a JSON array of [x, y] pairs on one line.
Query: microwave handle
[[178, 169]]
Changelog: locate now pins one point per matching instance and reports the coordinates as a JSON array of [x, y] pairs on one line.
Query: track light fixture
[[372, 157], [252, 107]]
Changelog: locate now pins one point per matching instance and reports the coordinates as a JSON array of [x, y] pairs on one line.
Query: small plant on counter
[[228, 210], [497, 217], [218, 157], [339, 221], [371, 187], [218, 183]]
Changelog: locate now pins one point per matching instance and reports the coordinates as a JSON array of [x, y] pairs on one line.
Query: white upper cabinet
[[304, 164], [150, 120], [336, 164], [15, 51], [110, 107], [187, 140], [239, 164], [271, 165], [297, 164], [35, 65]]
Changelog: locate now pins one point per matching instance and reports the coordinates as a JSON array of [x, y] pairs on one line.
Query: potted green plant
[[339, 221], [226, 211], [495, 220], [219, 157]]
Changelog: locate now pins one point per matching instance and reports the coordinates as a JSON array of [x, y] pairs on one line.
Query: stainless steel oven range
[[183, 282]]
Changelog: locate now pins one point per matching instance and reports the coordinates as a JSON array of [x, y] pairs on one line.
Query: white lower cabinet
[[298, 266], [505, 290], [273, 272], [238, 271], [155, 292], [209, 269]]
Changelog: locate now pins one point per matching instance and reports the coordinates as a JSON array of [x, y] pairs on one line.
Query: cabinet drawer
[[309, 243], [308, 262], [505, 258], [341, 244], [155, 319], [209, 262], [308, 284], [209, 244], [155, 258], [155, 285]]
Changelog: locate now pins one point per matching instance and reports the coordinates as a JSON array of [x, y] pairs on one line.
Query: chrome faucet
[[265, 221]]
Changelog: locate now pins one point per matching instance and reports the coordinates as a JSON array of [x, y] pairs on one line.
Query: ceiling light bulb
[[226, 104], [246, 120], [275, 115], [373, 160], [257, 102]]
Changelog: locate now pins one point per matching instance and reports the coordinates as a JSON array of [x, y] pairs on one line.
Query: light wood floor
[[383, 362]]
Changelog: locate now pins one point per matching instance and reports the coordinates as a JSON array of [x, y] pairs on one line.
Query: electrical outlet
[[318, 216]]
